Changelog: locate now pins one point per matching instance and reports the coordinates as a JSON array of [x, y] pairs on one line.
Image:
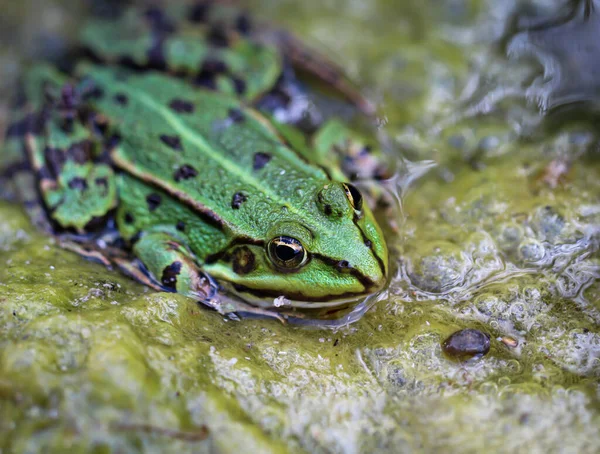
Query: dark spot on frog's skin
[[95, 92], [236, 115], [239, 85], [173, 142], [206, 80], [161, 27], [69, 97], [80, 152], [260, 160], [113, 142], [97, 223], [181, 106], [369, 243], [78, 184], [218, 36], [103, 183], [169, 275], [327, 210], [153, 201], [238, 199], [466, 343], [214, 66], [99, 123], [180, 226], [185, 172], [199, 12], [156, 55], [67, 123], [128, 218], [121, 99], [210, 69], [244, 261], [243, 25]]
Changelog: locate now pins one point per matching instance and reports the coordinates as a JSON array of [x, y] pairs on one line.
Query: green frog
[[167, 149]]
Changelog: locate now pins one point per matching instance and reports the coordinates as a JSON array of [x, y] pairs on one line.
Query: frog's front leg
[[168, 266]]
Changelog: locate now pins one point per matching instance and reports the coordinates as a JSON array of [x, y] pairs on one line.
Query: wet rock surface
[[90, 361]]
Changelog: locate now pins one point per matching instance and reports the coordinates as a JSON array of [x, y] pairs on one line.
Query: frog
[[160, 150]]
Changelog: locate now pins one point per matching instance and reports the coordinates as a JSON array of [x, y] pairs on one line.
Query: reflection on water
[[567, 45]]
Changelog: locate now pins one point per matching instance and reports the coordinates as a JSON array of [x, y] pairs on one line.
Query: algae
[[93, 362]]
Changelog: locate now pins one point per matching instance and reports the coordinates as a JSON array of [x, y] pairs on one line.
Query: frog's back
[[204, 149], [173, 84]]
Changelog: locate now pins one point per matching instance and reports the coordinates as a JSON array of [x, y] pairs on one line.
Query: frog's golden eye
[[287, 253], [354, 196]]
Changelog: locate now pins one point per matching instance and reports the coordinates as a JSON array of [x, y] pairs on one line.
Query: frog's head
[[335, 255]]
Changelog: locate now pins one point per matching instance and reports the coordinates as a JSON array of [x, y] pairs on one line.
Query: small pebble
[[466, 343], [509, 342]]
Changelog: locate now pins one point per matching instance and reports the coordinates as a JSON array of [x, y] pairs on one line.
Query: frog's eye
[[354, 196], [287, 253]]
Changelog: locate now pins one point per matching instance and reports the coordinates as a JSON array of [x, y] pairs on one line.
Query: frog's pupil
[[285, 252]]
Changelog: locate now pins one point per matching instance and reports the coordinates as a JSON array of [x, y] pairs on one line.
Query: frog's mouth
[[323, 314], [281, 302]]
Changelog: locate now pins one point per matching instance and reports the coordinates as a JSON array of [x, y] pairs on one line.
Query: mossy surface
[[93, 362]]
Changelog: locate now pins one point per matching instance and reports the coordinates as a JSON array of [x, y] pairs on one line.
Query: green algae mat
[[501, 235]]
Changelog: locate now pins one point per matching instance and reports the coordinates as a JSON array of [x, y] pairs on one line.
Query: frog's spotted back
[[205, 43]]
